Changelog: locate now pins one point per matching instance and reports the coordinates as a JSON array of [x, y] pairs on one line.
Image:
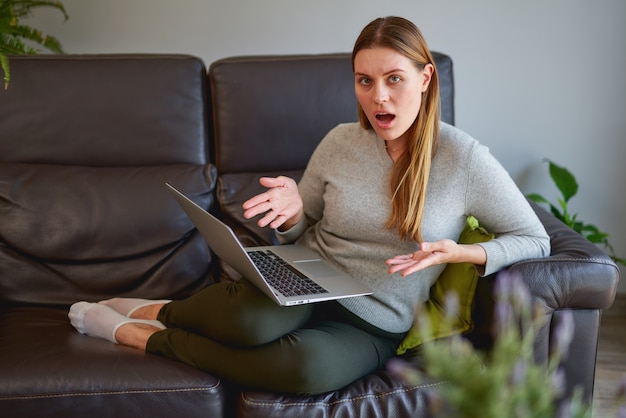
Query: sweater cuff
[[293, 233]]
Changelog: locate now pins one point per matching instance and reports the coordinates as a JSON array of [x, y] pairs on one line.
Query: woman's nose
[[381, 95]]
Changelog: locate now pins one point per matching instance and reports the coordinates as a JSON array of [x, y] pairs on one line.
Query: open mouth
[[385, 117]]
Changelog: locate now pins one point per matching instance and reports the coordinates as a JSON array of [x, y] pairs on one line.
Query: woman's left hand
[[434, 253]]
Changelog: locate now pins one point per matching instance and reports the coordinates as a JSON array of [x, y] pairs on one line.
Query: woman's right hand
[[281, 204]]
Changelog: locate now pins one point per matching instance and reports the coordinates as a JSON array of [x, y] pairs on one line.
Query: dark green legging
[[234, 331]]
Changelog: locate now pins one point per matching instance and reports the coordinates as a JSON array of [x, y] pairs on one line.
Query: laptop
[[308, 277]]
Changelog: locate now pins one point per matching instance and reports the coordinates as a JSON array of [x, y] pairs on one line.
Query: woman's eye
[[364, 81], [395, 79]]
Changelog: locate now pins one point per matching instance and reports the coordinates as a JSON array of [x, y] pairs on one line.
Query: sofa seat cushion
[[48, 369], [376, 395], [73, 232]]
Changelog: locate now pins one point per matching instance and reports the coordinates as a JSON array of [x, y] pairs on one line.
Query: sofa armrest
[[577, 274]]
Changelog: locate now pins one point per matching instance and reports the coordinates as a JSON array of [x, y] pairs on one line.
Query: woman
[[384, 200]]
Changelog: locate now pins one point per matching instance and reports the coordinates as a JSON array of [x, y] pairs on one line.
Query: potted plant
[[568, 187], [16, 37]]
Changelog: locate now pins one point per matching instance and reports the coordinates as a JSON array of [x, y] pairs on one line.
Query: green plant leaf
[[564, 180], [557, 214], [537, 198], [23, 8], [619, 260], [52, 44], [578, 227], [593, 234], [4, 62], [598, 237], [590, 228]]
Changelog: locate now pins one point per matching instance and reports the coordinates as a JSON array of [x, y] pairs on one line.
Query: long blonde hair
[[409, 176]]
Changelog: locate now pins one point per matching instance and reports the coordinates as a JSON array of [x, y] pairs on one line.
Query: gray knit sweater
[[346, 195]]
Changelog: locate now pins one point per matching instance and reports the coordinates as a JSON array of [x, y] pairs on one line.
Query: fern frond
[[52, 44], [35, 35], [10, 45], [14, 38], [23, 8], [6, 70], [26, 32]]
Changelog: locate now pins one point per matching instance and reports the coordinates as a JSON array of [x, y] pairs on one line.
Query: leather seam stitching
[[125, 392], [339, 401], [554, 259]]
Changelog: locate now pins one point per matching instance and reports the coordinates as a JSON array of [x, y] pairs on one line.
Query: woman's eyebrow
[[395, 70]]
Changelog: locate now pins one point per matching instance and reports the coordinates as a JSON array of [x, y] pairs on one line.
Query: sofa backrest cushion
[[270, 112], [87, 145]]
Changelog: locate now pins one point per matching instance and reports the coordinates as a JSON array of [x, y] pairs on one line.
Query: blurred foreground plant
[[506, 381]]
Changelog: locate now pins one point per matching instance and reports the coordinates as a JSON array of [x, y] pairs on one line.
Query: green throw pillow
[[431, 321]]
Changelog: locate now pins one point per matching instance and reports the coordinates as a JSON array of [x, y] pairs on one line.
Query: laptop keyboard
[[283, 277]]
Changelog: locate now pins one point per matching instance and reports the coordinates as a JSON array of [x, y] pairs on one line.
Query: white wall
[[534, 78]]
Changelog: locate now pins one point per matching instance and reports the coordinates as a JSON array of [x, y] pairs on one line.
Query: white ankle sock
[[98, 320], [126, 306]]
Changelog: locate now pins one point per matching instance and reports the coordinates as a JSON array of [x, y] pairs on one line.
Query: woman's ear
[[427, 74]]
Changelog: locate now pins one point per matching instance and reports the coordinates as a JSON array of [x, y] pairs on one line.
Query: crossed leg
[[230, 313], [236, 332]]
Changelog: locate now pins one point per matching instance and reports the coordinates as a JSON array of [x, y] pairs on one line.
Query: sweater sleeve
[[293, 233], [496, 201]]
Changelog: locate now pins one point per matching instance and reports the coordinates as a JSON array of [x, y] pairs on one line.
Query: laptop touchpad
[[315, 268]]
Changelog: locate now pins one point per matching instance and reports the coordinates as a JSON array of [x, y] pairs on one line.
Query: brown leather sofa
[[86, 143]]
